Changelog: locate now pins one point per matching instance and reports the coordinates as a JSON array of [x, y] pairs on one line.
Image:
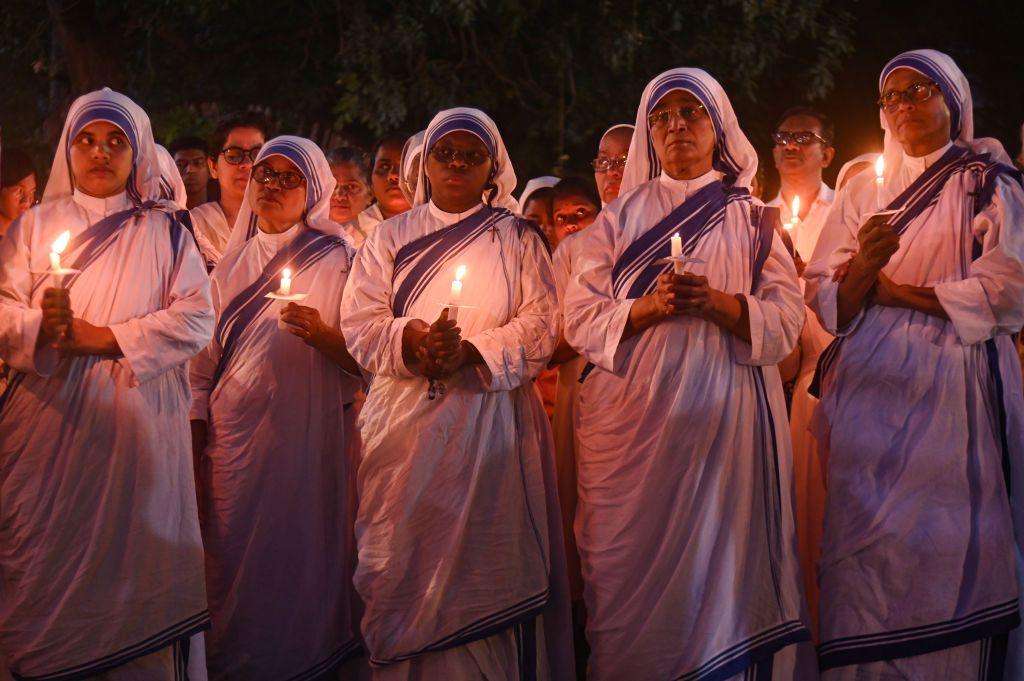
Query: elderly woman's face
[[458, 167], [682, 131], [351, 195], [101, 159], [914, 123], [278, 195]]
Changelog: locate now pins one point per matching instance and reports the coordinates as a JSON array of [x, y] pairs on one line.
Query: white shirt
[[806, 232]]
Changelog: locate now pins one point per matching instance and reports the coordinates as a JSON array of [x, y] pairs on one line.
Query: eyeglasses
[[915, 94], [563, 219], [660, 119], [349, 189], [286, 179], [237, 155], [602, 164], [801, 137], [471, 158]]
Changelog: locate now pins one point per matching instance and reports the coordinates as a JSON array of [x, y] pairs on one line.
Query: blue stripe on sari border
[[821, 369], [923, 191], [184, 629], [479, 629], [878, 647], [407, 255], [455, 240], [1002, 421], [257, 302], [764, 229], [335, 659], [770, 471], [15, 379], [526, 644], [737, 658]]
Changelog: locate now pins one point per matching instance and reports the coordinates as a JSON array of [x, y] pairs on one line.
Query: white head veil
[[735, 157], [480, 124], [112, 107], [412, 157], [863, 158], [533, 185], [956, 92], [172, 187], [627, 126], [313, 165]]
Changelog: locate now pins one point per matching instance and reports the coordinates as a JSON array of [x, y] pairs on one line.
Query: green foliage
[[553, 74]]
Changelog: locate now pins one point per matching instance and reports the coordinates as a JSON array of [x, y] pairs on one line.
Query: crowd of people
[[365, 414]]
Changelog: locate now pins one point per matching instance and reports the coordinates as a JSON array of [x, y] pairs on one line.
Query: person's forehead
[[571, 203], [281, 163], [903, 77], [616, 142], [676, 98], [189, 154], [389, 150], [346, 170], [800, 122], [244, 136]]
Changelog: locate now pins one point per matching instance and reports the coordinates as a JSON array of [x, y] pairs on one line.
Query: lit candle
[[456, 293], [879, 172], [796, 211], [677, 251], [286, 282], [57, 248]]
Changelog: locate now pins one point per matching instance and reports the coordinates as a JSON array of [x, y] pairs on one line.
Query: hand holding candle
[[677, 251], [455, 297]]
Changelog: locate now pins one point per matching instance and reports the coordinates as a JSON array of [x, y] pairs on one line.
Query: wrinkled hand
[[57, 315], [305, 323], [839, 275], [878, 242], [683, 294], [886, 292], [84, 339]]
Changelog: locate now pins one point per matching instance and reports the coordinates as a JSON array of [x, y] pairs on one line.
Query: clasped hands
[[437, 350], [69, 335]]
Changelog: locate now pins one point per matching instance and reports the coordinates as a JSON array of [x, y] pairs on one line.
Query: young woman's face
[[387, 166], [351, 195], [101, 159], [18, 198]]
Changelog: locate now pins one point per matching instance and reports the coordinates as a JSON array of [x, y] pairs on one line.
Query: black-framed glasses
[[470, 157], [801, 137], [915, 94], [286, 179], [689, 114], [602, 164], [237, 155]]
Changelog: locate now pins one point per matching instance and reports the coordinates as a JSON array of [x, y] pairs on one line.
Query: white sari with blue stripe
[[684, 524], [460, 552], [99, 536]]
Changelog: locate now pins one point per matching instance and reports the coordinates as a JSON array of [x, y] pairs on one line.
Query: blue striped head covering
[[312, 163], [480, 124], [112, 107], [734, 156], [172, 187]]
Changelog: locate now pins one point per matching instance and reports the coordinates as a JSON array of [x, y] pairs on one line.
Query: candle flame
[[286, 274], [460, 273], [879, 166], [676, 235], [62, 242], [796, 207]]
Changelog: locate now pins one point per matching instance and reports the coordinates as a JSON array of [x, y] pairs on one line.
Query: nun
[[684, 522], [272, 415], [99, 535], [921, 392], [452, 307]]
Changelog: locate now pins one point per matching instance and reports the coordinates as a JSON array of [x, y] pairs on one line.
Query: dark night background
[[553, 75]]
